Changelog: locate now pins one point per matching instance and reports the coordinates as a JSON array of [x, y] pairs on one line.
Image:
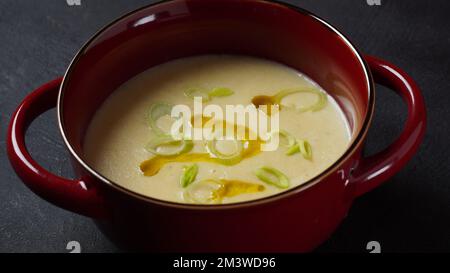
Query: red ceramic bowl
[[296, 220]]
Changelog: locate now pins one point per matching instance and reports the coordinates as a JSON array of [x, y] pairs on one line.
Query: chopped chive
[[272, 176], [221, 92], [165, 145], [205, 192], [189, 174], [289, 137], [157, 111], [197, 92], [284, 93], [207, 95], [293, 149], [227, 159], [318, 105], [290, 142], [305, 149]]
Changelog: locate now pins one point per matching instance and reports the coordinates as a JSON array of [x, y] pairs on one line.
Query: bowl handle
[[76, 196], [376, 169]]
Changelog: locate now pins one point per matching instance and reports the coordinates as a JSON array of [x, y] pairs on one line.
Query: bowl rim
[[354, 145]]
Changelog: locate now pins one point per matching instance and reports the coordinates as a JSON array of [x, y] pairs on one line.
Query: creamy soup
[[129, 141]]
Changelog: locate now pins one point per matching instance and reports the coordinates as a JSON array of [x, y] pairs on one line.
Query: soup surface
[[127, 139]]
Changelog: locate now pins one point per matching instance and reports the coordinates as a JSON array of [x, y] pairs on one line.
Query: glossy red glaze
[[68, 194], [374, 170], [296, 220]]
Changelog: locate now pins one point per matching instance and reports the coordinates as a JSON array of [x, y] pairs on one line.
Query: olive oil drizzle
[[236, 187], [220, 189], [152, 166]]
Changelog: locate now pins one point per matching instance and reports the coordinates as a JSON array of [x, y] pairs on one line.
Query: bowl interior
[[180, 28]]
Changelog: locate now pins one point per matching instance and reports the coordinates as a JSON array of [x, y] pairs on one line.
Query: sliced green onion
[[305, 149], [293, 149], [290, 142], [221, 92], [302, 147], [197, 92], [288, 137], [227, 159], [204, 192], [157, 111], [207, 95], [189, 174], [318, 105], [284, 93], [165, 145], [272, 176]]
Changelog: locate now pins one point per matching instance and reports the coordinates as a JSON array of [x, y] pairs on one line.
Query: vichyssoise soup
[[129, 140]]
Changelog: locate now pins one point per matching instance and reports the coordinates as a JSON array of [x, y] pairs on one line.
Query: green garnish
[[318, 105], [221, 92], [293, 149], [165, 145], [227, 159], [197, 92], [305, 149], [278, 97], [272, 176], [189, 174], [287, 136], [296, 146], [204, 192], [302, 147], [157, 111], [289, 141], [207, 95]]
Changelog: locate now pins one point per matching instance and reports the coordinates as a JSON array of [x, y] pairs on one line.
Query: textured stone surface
[[410, 213]]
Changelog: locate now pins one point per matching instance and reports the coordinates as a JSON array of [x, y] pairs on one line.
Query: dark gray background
[[411, 213]]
